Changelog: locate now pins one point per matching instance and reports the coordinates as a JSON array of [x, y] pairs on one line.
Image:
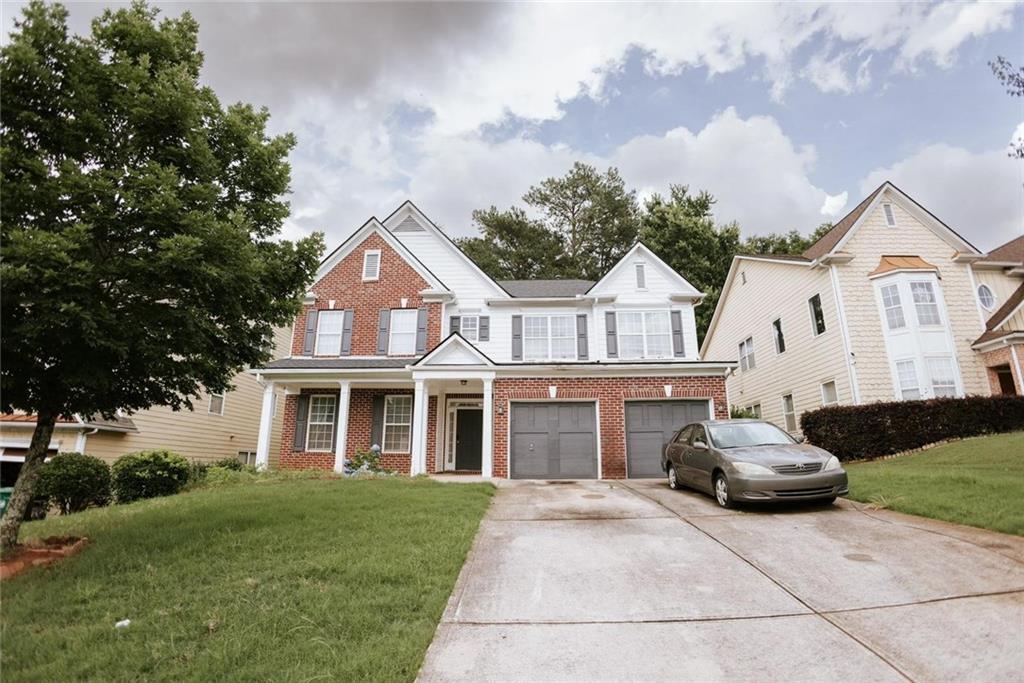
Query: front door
[[468, 438]]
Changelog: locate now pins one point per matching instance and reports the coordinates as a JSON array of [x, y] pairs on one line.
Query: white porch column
[[487, 438], [341, 435], [419, 429], [266, 427]]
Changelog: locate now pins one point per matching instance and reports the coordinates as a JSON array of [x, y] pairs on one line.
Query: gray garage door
[[650, 425], [554, 441]]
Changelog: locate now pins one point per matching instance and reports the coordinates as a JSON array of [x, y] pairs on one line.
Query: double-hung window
[[893, 307], [469, 327], [943, 376], [549, 337], [402, 333], [320, 426], [906, 373], [644, 334], [329, 326], [789, 412], [747, 354], [817, 315], [926, 304], [216, 406], [780, 339], [397, 423]]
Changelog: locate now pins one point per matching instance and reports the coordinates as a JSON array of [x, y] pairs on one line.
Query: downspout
[[80, 439], [841, 313]]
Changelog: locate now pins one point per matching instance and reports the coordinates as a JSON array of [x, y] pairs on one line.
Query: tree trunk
[[24, 489]]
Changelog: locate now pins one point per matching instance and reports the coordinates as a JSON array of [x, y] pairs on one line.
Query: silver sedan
[[750, 461]]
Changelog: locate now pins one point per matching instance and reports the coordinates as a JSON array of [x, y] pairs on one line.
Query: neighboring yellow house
[[219, 427], [891, 304]]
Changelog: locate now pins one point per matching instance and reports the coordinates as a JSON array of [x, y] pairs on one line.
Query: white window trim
[[223, 405], [385, 424], [341, 332], [888, 211], [366, 257], [785, 415], [746, 353], [899, 306], [810, 312], [995, 299], [550, 337], [835, 386], [476, 330], [953, 373], [643, 331], [391, 331], [917, 380], [309, 421], [934, 303]]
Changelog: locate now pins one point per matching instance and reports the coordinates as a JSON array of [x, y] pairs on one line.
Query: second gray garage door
[[650, 425], [553, 441]]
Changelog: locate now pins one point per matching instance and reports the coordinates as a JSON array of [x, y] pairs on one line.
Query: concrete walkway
[[632, 581]]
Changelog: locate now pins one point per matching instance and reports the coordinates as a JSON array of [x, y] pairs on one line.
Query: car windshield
[[741, 434]]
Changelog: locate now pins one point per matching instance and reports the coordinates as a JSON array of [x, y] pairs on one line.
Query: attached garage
[[553, 441], [650, 425]]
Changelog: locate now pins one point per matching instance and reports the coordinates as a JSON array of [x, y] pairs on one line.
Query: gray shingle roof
[[338, 363], [545, 288]]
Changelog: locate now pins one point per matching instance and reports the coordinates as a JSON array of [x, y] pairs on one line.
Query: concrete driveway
[[632, 581]]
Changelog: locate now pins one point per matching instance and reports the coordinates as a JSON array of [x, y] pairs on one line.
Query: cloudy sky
[[789, 114]]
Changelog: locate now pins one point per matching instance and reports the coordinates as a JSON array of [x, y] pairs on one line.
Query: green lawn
[[979, 482], [290, 580]]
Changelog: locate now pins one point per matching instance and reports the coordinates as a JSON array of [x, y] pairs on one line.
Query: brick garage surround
[[344, 284], [360, 425], [611, 394], [1003, 356]]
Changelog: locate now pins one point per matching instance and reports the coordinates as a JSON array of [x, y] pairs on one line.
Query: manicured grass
[[277, 580], [978, 482]]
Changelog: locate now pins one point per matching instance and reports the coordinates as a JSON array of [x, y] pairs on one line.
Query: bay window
[[910, 388], [943, 376], [893, 307], [925, 303], [644, 334]]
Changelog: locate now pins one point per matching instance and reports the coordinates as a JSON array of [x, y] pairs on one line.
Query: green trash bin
[[5, 498]]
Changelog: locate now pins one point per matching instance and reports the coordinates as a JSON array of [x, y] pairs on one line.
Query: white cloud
[[977, 194], [834, 204]]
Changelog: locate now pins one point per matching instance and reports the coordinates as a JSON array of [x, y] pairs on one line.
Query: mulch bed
[[40, 552]]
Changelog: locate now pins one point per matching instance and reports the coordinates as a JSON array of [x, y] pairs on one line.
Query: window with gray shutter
[[421, 330], [517, 337], [453, 324], [383, 327], [581, 337], [610, 335], [346, 333], [484, 330], [301, 416], [310, 339], [677, 334]]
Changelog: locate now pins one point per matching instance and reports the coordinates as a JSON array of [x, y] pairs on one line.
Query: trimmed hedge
[[74, 482], [148, 474], [852, 432]]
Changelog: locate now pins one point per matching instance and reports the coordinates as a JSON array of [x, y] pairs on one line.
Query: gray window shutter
[[677, 334], [421, 331], [453, 324], [611, 334], [483, 330], [377, 426], [581, 336], [334, 432], [307, 344], [346, 333], [383, 326], [301, 417], [517, 337]]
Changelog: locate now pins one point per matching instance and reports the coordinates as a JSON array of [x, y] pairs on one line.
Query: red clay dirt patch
[[40, 552]]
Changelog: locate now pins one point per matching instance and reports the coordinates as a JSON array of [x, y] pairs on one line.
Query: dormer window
[[890, 217], [641, 276], [371, 265]]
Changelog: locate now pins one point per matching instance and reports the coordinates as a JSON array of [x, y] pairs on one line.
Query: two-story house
[[404, 343], [891, 304]]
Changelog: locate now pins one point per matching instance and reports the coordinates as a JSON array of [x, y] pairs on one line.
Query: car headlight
[[832, 464], [751, 468]]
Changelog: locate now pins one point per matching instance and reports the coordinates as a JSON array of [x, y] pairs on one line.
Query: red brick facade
[[344, 285], [1003, 357], [611, 393]]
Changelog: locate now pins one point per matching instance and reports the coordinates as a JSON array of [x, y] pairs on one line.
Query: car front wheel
[[723, 496], [673, 479]]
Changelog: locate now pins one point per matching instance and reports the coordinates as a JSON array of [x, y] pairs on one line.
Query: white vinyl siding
[[549, 337], [397, 424], [893, 307], [371, 265], [644, 334], [789, 412], [320, 426], [469, 327], [906, 372], [747, 354], [925, 304], [328, 333], [402, 333]]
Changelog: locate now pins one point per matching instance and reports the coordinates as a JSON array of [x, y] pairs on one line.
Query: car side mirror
[[700, 445]]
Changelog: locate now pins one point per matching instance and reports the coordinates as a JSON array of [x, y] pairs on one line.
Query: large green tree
[[140, 264], [512, 246]]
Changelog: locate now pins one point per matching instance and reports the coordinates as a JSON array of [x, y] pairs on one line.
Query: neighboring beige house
[[219, 427], [891, 304]]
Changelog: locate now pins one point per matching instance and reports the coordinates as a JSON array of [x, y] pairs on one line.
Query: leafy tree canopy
[[140, 263], [1012, 78]]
